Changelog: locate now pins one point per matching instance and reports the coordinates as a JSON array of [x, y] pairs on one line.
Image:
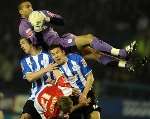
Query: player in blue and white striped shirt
[[35, 70], [77, 73], [73, 66]]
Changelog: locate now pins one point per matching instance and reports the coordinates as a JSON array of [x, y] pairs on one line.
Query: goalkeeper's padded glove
[[37, 19]]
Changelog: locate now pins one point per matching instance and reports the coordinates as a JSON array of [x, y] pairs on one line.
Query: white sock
[[122, 63], [115, 51]]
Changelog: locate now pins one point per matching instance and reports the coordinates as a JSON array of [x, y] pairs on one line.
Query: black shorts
[[30, 109], [84, 112], [91, 95]]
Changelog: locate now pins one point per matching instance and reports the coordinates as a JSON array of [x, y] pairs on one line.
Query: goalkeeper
[[35, 22]]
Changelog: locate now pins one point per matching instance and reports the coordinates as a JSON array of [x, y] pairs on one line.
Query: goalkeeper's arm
[[54, 18]]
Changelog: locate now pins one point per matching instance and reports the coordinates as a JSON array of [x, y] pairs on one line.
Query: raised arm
[[32, 76], [88, 85], [54, 18]]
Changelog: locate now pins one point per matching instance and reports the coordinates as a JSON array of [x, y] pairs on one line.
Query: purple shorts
[[51, 37], [67, 40]]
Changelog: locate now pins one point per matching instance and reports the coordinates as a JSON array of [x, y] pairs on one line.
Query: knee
[[26, 116], [89, 36], [86, 38], [95, 115]]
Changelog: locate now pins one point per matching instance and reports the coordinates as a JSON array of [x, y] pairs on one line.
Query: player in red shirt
[[52, 101]]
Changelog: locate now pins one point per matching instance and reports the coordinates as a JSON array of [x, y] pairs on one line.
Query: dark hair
[[20, 3], [29, 41], [65, 104], [56, 46], [39, 43]]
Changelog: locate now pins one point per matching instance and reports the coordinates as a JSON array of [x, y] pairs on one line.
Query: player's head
[[26, 45], [25, 8], [66, 104], [58, 54]]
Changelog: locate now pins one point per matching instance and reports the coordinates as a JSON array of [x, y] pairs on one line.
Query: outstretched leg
[[105, 59], [69, 40], [102, 46], [91, 54]]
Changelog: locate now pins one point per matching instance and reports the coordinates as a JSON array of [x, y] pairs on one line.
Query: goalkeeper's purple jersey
[[25, 30], [49, 35]]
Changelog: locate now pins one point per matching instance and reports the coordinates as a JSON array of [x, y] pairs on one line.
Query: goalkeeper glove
[[37, 19]]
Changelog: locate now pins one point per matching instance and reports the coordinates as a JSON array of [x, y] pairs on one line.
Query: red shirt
[[45, 101]]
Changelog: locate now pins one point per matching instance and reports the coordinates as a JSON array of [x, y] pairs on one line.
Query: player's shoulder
[[45, 53], [45, 87], [74, 56], [24, 59], [23, 21]]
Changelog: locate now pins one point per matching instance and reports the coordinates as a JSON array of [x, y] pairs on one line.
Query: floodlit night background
[[122, 94]]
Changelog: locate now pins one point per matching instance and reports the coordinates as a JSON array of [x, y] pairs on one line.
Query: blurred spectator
[[7, 68], [1, 112], [1, 115]]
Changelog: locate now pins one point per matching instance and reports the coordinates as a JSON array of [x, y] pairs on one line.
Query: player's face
[[58, 55], [26, 9], [25, 46]]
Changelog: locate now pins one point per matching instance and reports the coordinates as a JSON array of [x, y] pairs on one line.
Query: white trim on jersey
[[66, 91], [39, 108]]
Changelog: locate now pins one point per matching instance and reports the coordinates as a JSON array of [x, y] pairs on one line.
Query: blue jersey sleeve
[[25, 67], [85, 69]]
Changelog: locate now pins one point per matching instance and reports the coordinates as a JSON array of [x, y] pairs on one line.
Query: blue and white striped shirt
[[31, 64], [76, 70]]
